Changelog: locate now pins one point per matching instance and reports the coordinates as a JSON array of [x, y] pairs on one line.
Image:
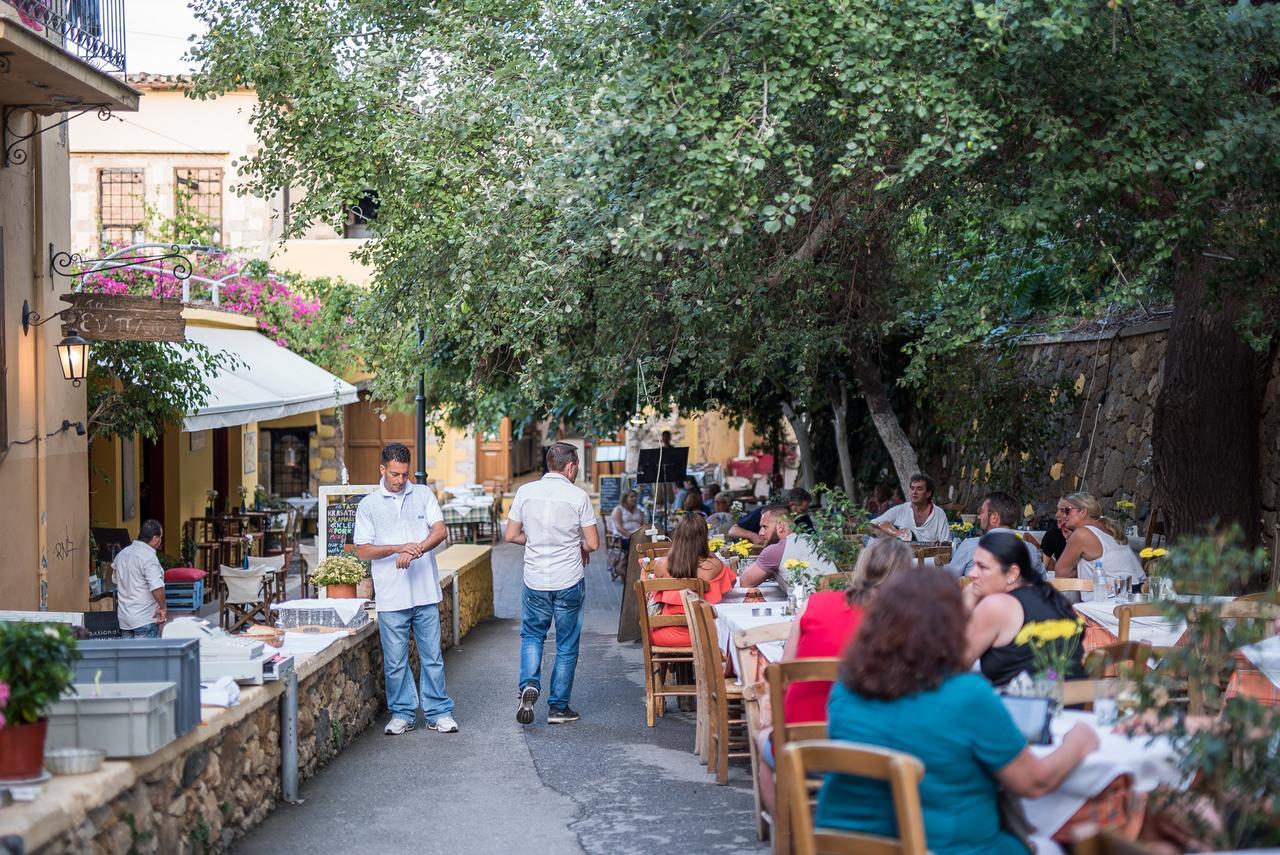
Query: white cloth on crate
[[935, 528], [384, 518], [962, 558], [137, 572], [345, 608], [1265, 656], [1117, 558], [553, 513]]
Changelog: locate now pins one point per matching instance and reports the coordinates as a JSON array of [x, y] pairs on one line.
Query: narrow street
[[606, 784]]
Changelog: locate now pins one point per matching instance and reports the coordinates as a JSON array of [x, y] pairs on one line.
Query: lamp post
[[420, 421]]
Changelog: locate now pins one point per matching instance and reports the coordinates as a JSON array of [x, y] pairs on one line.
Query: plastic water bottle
[[1099, 582]]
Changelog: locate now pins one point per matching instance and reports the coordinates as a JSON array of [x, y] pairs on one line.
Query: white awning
[[269, 382]]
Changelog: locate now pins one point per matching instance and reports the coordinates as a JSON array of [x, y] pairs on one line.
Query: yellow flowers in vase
[[1055, 646]]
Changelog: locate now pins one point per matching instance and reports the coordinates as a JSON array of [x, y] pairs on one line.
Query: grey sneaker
[[397, 726], [444, 724], [561, 715], [528, 697]]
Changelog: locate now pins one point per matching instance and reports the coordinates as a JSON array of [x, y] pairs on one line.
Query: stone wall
[[1101, 442], [326, 451], [204, 791]]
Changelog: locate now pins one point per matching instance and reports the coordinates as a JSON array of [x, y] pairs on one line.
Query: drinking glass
[[1104, 703]]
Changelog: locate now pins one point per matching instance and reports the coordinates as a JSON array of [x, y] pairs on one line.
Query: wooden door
[[370, 425], [493, 454]]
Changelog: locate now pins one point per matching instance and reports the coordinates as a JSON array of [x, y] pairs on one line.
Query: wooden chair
[[653, 551], [245, 597], [1072, 584], [779, 676], [940, 554], [1107, 661], [901, 772], [277, 574], [1081, 693], [744, 641], [661, 662], [1128, 611], [726, 727]]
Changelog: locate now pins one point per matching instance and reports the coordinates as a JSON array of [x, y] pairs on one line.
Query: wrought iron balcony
[[92, 30]]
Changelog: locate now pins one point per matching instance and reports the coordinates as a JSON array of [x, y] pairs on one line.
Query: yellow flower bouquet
[[715, 544], [741, 548], [1055, 646]]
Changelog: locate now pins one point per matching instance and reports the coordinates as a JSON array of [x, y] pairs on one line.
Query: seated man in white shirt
[[999, 512], [920, 519]]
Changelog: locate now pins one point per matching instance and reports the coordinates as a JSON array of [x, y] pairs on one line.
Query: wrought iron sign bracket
[[13, 140], [71, 265]]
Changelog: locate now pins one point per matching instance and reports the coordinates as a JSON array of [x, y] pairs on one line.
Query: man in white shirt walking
[[397, 526], [555, 522], [920, 519], [139, 582]]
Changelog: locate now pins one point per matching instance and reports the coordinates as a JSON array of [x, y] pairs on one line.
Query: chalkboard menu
[[338, 515], [610, 493]]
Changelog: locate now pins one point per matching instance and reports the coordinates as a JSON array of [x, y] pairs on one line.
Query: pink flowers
[[4, 700]]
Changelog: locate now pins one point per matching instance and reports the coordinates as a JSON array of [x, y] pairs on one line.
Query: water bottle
[[1099, 582]]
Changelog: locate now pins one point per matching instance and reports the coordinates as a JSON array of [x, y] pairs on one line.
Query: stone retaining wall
[[1103, 442], [206, 790]]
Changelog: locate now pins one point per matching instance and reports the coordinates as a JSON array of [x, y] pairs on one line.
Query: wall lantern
[[73, 351]]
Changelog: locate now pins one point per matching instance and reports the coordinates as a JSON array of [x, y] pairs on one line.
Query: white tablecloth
[[1265, 656], [1151, 761], [731, 617], [1156, 631]]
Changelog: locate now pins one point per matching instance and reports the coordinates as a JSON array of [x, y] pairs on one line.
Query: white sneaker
[[444, 724], [398, 726]]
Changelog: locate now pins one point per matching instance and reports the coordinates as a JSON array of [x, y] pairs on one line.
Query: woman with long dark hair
[[904, 686], [1006, 595], [689, 558]]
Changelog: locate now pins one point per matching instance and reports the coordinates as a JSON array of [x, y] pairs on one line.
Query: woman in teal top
[[903, 686]]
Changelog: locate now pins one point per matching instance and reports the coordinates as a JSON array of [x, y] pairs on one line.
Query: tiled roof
[[148, 80]]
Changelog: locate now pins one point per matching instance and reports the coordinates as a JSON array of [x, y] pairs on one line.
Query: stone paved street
[[606, 784]]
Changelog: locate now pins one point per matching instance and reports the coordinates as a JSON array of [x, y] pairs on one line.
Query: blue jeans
[[403, 697], [150, 630], [538, 610]]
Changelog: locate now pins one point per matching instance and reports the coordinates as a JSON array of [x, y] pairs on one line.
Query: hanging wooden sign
[[124, 317]]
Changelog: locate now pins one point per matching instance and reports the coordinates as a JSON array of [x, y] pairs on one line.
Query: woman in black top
[[1006, 596]]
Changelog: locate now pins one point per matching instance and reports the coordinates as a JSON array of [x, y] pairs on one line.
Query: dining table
[[1102, 623], [731, 617]]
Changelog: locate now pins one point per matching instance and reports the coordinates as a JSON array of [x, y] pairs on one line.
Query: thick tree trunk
[[905, 463], [800, 425], [840, 410], [1205, 429]]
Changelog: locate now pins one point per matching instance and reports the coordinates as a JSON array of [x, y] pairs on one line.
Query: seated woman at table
[[1005, 596], [829, 621], [689, 558], [627, 518], [720, 519], [903, 686], [1092, 536]]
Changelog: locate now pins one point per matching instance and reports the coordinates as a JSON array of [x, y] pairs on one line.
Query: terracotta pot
[[340, 592], [22, 750]]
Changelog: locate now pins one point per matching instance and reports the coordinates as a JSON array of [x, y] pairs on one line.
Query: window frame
[[137, 229], [179, 180]]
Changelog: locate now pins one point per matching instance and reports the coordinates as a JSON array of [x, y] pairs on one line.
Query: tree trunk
[[1204, 438], [800, 425], [905, 463], [840, 410]]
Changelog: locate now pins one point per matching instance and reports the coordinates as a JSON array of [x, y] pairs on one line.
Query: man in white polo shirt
[[397, 526], [555, 522]]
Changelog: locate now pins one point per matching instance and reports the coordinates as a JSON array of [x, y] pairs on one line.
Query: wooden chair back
[[1072, 584], [901, 772], [659, 661], [744, 640], [779, 676], [1104, 661], [726, 733], [1129, 611], [653, 551], [940, 554]]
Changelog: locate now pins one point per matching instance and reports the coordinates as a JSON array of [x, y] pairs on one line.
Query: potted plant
[[340, 574], [35, 668]]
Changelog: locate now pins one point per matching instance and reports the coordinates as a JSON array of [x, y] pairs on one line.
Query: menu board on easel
[[338, 516], [610, 492]]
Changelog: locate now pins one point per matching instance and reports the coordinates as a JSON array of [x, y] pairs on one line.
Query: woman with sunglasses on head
[[1093, 538]]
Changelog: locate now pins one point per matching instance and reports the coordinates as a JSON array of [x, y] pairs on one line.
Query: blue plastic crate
[[184, 596]]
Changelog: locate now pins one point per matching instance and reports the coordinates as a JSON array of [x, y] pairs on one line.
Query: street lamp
[[73, 353]]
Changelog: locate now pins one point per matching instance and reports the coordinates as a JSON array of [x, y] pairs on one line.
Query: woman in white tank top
[[1092, 539]]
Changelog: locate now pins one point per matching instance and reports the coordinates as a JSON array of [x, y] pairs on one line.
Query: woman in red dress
[[689, 558]]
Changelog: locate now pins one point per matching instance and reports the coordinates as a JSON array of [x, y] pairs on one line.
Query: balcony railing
[[92, 30]]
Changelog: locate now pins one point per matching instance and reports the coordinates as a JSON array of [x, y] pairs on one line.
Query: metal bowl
[[73, 761]]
